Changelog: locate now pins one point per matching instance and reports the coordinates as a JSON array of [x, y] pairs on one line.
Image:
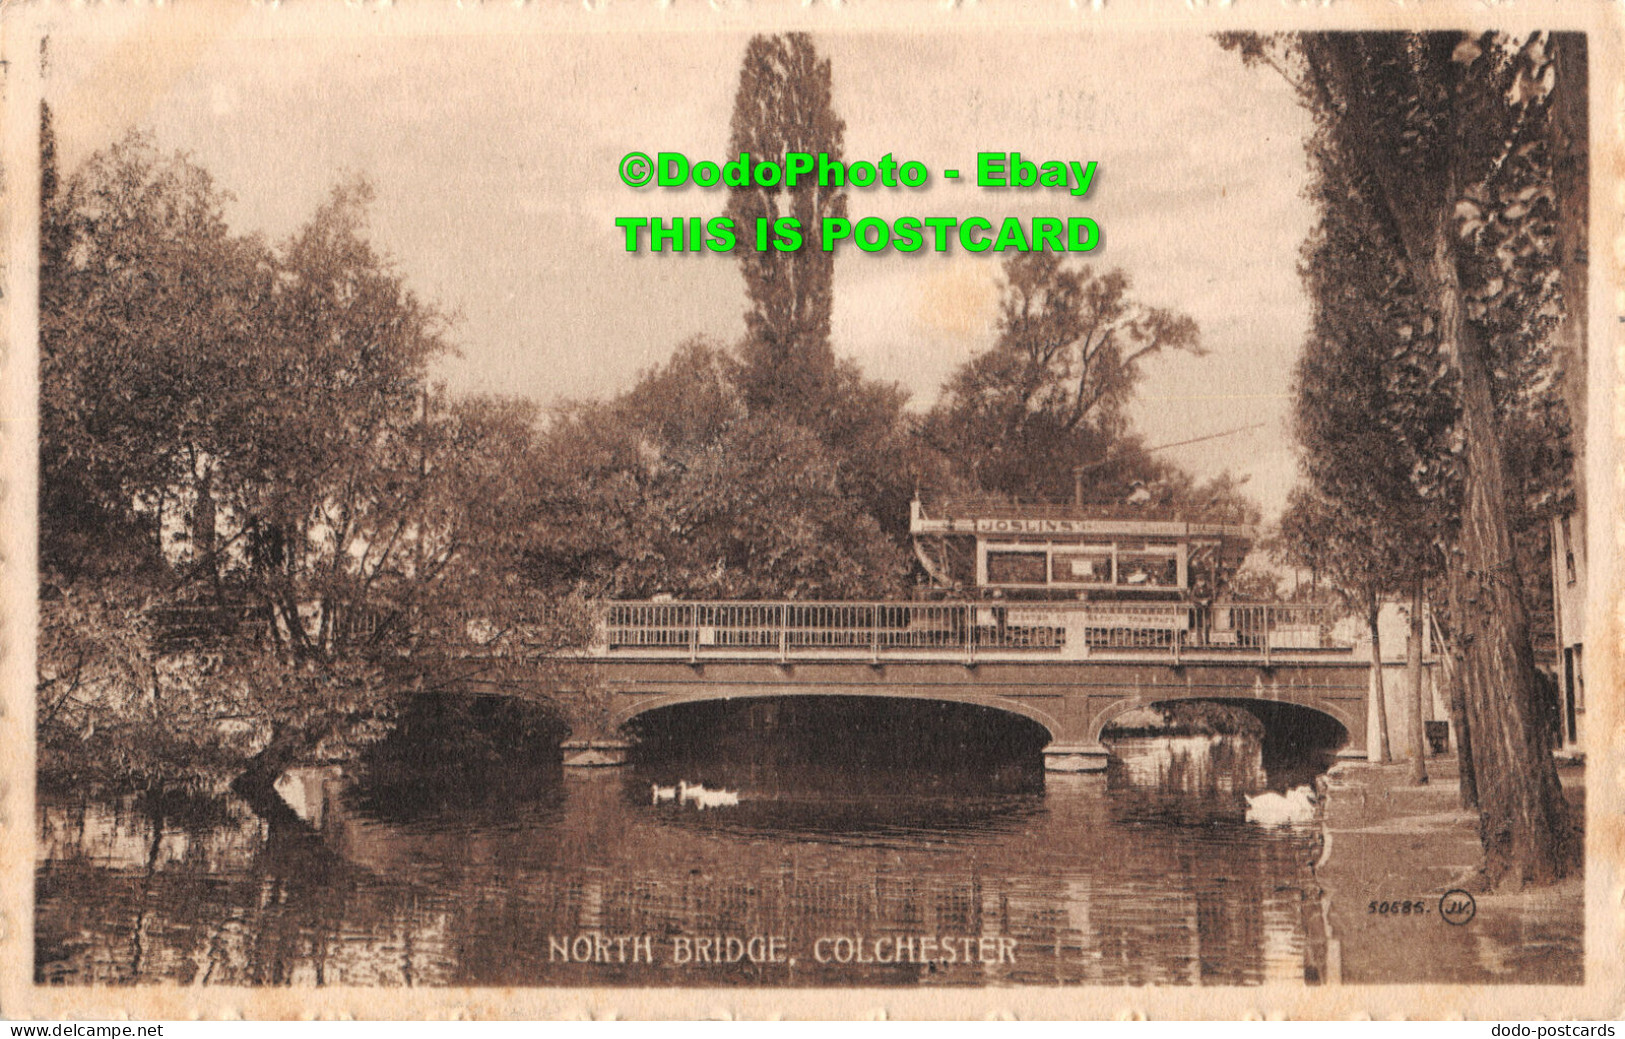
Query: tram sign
[[1019, 525], [1098, 615], [1000, 519]]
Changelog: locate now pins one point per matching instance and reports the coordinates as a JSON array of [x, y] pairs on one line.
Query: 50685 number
[[1403, 908]]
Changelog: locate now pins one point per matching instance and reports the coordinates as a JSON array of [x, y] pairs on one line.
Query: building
[[1568, 607]]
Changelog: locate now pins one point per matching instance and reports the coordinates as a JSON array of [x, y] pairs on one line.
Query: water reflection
[[1146, 875]]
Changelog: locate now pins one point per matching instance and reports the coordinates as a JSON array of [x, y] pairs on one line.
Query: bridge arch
[[1332, 712], [644, 703]]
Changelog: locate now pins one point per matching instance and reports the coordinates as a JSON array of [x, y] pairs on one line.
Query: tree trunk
[[1413, 703], [158, 527], [1464, 741], [203, 536], [1376, 740], [1450, 654], [1523, 816], [256, 784]]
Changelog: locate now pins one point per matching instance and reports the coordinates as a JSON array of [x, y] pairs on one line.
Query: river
[[988, 872]]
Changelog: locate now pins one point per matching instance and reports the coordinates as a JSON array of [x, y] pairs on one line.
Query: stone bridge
[[1070, 667]]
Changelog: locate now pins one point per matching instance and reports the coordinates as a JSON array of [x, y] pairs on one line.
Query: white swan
[[1271, 809]]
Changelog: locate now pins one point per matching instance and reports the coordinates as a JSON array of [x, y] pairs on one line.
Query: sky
[[495, 156]]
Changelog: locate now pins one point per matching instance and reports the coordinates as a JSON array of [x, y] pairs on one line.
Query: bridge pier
[[1075, 757]]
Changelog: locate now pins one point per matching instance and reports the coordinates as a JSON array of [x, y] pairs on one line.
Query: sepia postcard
[[1051, 510]]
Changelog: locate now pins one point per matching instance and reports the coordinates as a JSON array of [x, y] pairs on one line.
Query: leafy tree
[[1216, 499], [1050, 393], [1254, 583], [332, 495], [379, 519], [248, 437], [1351, 555], [782, 106], [676, 488], [1440, 137], [147, 337], [1375, 417], [879, 457], [785, 367]]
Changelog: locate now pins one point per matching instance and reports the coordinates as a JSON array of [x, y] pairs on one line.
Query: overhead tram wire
[[1079, 469]]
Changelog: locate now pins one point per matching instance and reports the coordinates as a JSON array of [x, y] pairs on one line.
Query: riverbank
[[1388, 841]]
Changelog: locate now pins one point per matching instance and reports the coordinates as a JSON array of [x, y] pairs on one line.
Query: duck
[[702, 798], [718, 799], [1271, 809], [662, 793]]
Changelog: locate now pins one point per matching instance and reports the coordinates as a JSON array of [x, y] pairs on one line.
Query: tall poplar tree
[[783, 105], [1375, 418]]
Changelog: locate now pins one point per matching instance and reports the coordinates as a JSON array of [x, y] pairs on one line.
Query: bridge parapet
[[1239, 632]]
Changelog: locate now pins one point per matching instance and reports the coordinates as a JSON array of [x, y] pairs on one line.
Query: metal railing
[[876, 629]]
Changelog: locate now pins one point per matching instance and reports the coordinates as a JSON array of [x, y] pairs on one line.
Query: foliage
[[1471, 136], [1185, 718], [1347, 554], [1216, 499], [147, 308], [1439, 144], [674, 488], [1254, 583], [1050, 393], [1374, 415], [783, 105], [234, 431]]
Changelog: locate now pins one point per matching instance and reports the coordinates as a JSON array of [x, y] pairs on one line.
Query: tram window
[[1083, 567], [1147, 570], [1017, 568]]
